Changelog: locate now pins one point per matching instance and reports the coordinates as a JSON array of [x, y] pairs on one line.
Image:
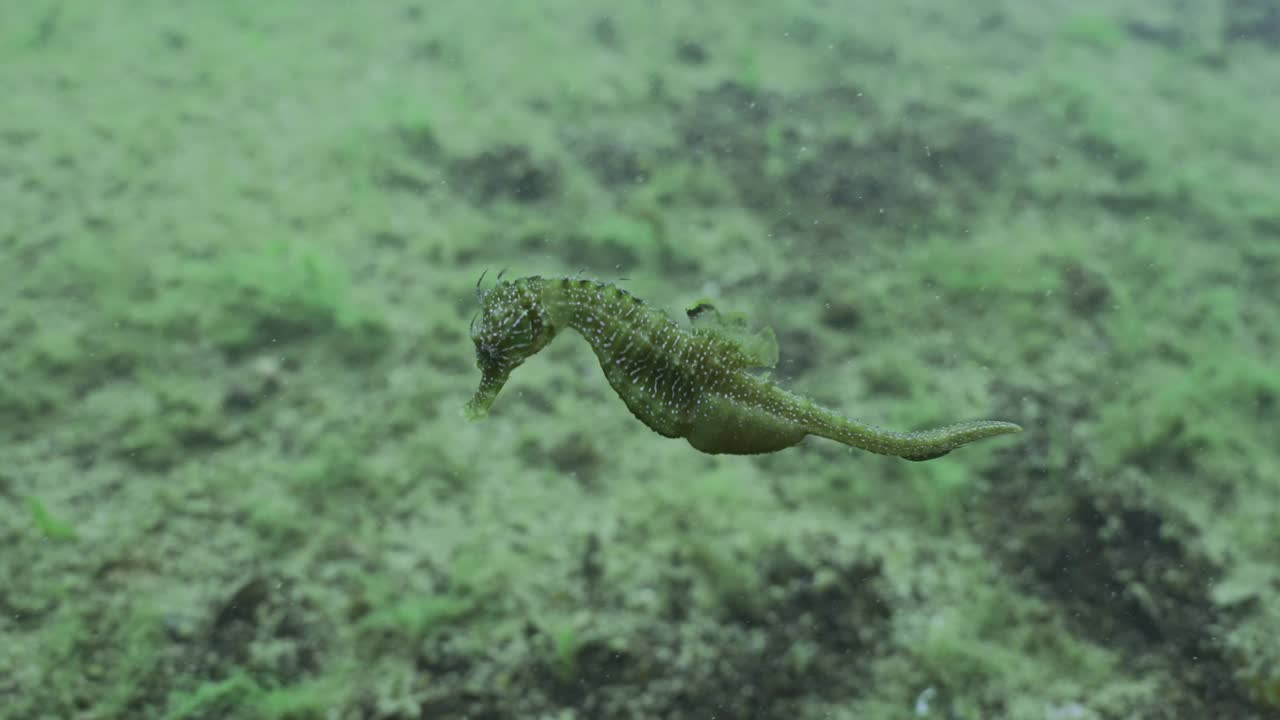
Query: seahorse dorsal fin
[[757, 348]]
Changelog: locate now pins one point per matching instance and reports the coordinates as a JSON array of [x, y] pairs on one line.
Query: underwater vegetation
[[237, 255], [692, 384]]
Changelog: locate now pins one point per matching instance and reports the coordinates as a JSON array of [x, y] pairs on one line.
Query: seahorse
[[703, 383]]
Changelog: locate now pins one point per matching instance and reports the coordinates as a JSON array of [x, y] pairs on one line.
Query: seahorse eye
[[492, 338]]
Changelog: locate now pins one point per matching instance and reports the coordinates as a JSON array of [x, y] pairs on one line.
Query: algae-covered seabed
[[238, 246]]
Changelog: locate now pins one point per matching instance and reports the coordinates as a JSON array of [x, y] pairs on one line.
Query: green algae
[[235, 273]]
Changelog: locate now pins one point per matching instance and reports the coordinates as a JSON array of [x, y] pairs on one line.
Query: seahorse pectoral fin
[[756, 348], [762, 348]]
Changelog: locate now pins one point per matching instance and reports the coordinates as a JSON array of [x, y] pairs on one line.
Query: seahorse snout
[[490, 385]]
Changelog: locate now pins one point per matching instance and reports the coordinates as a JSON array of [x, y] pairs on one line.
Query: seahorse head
[[513, 324]]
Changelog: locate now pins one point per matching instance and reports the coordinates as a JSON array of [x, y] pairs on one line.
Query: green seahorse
[[699, 383]]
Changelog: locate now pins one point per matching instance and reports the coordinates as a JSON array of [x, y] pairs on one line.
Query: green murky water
[[238, 247]]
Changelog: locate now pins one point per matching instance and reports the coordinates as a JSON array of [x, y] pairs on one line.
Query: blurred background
[[238, 249]]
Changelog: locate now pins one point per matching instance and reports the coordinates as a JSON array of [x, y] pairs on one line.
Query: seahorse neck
[[573, 303], [558, 304], [606, 316]]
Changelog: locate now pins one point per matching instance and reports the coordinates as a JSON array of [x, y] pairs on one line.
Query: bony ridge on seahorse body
[[694, 383]]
